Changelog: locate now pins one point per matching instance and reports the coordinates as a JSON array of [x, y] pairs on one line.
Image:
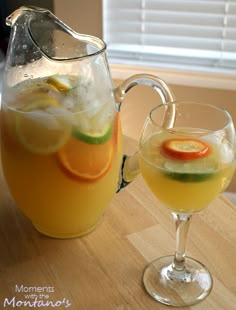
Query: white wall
[[84, 16]]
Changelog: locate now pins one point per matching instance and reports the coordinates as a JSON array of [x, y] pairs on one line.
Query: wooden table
[[103, 270]]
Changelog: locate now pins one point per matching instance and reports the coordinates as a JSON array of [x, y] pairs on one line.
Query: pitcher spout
[[40, 29], [22, 12]]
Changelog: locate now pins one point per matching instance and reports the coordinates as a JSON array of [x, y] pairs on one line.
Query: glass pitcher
[[61, 141]]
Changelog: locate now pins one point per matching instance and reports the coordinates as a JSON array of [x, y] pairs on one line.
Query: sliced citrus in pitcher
[[95, 126], [41, 129], [85, 161], [94, 137], [40, 87], [61, 82], [185, 149], [37, 92]]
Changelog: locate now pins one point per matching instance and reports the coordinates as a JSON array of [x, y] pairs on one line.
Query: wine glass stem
[[182, 223]]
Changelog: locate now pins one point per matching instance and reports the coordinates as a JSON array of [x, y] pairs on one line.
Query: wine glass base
[[177, 288]]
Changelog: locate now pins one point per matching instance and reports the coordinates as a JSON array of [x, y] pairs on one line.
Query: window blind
[[194, 34]]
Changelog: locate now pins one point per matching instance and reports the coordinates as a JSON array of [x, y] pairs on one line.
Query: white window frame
[[188, 77], [178, 77]]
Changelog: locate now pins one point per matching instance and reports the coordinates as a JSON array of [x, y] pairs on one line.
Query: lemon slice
[[40, 87], [60, 82], [37, 92], [41, 131]]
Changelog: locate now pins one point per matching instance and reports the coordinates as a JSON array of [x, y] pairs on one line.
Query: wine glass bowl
[[186, 165]]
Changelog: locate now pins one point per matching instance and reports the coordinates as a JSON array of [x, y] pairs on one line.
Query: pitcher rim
[[96, 41]]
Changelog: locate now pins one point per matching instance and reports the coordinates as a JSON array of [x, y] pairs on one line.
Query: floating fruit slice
[[85, 161], [37, 92], [40, 87], [185, 149], [99, 128], [195, 171], [61, 82], [39, 130], [94, 137]]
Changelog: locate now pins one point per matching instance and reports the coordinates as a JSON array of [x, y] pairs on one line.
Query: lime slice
[[94, 137], [95, 126], [39, 130], [195, 171]]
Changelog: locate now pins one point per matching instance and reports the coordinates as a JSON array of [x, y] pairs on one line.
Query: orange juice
[[61, 162], [186, 186]]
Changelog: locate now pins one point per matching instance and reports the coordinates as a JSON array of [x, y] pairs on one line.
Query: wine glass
[[186, 165]]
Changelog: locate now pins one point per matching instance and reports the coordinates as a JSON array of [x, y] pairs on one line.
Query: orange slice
[[116, 129], [85, 161], [184, 149]]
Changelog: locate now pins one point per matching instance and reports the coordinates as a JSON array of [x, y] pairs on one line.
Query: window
[[196, 35]]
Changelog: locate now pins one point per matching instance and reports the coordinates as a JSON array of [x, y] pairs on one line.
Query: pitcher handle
[[129, 166]]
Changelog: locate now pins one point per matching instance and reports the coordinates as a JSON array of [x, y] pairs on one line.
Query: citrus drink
[[186, 174], [60, 158]]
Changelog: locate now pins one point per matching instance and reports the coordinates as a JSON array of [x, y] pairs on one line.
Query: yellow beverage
[[186, 186], [61, 163]]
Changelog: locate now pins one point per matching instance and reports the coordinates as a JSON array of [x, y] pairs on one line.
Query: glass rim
[[172, 129]]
